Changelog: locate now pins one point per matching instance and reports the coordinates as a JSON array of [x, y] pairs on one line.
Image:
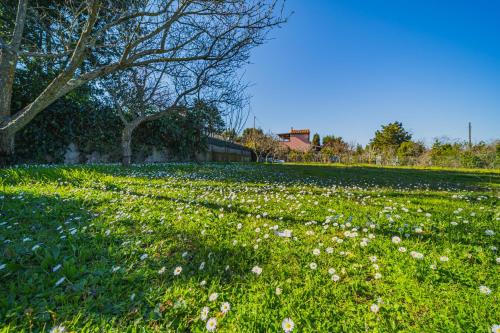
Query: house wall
[[298, 142]]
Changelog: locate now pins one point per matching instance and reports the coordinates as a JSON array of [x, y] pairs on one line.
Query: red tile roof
[[302, 131]]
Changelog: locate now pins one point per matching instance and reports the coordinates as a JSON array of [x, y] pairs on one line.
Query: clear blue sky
[[345, 67]]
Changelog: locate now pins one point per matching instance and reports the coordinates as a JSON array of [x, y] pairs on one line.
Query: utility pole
[[470, 136], [254, 122]]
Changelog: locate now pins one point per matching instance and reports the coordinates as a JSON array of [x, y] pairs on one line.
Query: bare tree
[[147, 93], [85, 40]]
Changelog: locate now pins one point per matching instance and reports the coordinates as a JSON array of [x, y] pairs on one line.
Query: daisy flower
[[213, 297], [225, 307], [58, 329], [495, 328], [61, 280], [374, 308], [211, 324], [417, 255], [396, 240], [287, 324], [177, 270], [335, 278], [485, 290], [313, 265], [257, 270], [204, 313], [316, 252]]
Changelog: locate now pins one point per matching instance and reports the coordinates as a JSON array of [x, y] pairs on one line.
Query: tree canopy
[[390, 137]]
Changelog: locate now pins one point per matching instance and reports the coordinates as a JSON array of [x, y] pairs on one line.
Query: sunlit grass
[[102, 248]]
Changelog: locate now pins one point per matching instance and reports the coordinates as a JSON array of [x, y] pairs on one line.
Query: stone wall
[[218, 151]]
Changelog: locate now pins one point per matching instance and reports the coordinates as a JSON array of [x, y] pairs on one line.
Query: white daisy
[[225, 307], [61, 280], [287, 324], [313, 265], [177, 270], [374, 308], [58, 329], [257, 270], [213, 297], [316, 252], [417, 255], [396, 240], [335, 278], [204, 313], [485, 290], [211, 324]]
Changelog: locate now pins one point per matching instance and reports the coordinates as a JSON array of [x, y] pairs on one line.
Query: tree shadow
[[271, 174], [95, 289]]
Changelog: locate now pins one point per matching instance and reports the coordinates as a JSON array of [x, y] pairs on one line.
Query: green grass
[[97, 222]]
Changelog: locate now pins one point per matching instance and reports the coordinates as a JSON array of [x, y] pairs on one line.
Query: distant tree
[[408, 151], [446, 153], [249, 132], [316, 140], [334, 144], [263, 145], [254, 138], [230, 135], [390, 137]]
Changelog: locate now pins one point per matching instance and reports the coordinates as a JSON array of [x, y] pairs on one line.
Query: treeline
[[391, 145]]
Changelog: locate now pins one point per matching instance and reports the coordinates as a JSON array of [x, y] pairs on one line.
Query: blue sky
[[345, 67]]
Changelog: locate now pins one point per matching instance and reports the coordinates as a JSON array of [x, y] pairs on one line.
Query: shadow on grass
[[91, 291], [273, 174]]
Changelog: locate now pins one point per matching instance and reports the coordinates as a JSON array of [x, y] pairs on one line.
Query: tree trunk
[[127, 146], [127, 140], [6, 149]]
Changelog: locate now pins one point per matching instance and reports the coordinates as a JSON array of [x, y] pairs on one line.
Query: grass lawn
[[184, 247]]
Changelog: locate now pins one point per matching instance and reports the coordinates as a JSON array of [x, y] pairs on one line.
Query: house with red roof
[[298, 140]]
